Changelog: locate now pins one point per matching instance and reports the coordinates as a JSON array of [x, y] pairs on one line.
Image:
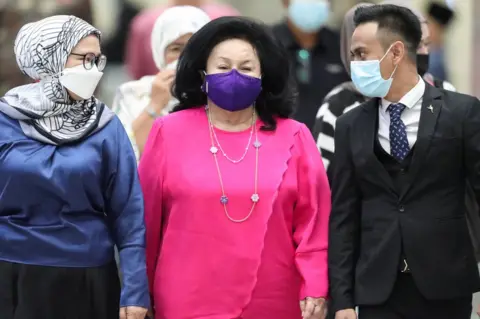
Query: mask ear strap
[[204, 86], [51, 77], [386, 53], [396, 66]]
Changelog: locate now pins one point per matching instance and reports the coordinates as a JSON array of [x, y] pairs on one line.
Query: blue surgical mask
[[309, 15], [368, 79]]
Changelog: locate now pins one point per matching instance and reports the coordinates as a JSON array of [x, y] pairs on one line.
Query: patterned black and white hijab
[[44, 109]]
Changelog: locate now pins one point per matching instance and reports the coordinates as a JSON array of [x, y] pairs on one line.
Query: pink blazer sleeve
[[151, 179], [311, 215]]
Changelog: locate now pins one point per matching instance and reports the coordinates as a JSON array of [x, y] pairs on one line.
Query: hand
[[478, 311], [313, 308], [346, 314], [133, 312], [150, 314], [161, 89]]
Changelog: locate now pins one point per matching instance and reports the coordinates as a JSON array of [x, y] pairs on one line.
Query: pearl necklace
[[213, 149]]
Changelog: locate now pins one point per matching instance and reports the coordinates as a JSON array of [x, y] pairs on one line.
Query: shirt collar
[[411, 98]]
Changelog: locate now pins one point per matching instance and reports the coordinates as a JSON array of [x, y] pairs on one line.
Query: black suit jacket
[[370, 219]]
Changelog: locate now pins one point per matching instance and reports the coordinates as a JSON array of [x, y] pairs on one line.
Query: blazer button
[[401, 209], [402, 171]]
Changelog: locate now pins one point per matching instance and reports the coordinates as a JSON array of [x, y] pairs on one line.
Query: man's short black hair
[[441, 13], [395, 22]]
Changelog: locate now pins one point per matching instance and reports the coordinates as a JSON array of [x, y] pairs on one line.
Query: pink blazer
[[202, 265]]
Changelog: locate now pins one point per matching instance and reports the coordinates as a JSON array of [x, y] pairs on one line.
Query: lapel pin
[[430, 108]]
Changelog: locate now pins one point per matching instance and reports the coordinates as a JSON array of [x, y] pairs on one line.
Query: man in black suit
[[399, 242]]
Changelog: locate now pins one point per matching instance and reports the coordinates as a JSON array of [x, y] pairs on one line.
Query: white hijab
[[173, 23]]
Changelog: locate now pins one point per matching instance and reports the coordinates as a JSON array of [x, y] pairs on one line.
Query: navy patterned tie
[[399, 147]]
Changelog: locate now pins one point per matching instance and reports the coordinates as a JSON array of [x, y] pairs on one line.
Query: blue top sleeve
[[124, 203]]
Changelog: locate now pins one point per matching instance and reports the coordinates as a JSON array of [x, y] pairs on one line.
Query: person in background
[[314, 51], [120, 16], [12, 18], [138, 56], [236, 197], [139, 103], [79, 8], [345, 97], [115, 46], [70, 189], [399, 241], [440, 17]]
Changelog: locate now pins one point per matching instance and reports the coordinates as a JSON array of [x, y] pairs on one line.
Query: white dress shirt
[[410, 116]]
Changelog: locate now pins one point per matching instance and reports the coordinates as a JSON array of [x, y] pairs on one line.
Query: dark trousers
[[406, 302], [39, 292]]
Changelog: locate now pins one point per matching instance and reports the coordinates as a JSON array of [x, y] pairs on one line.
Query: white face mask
[[173, 101], [172, 66], [81, 81]]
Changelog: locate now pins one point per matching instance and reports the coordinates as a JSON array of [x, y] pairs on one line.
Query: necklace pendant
[[255, 198], [257, 144], [224, 199], [213, 150]]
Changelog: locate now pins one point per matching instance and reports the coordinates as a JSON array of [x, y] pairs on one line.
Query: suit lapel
[[431, 108], [375, 171]]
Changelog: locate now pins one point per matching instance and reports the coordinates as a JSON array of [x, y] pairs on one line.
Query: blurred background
[[113, 18]]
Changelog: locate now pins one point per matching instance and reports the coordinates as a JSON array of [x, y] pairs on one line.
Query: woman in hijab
[[139, 103], [62, 205], [346, 97], [138, 54]]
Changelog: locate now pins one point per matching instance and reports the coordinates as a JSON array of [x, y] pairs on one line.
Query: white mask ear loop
[[386, 53], [391, 76], [51, 77]]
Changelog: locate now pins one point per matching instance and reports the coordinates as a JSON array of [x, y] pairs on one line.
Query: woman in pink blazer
[[236, 196]]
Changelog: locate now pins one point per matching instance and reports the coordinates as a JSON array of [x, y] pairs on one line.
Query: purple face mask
[[232, 91]]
